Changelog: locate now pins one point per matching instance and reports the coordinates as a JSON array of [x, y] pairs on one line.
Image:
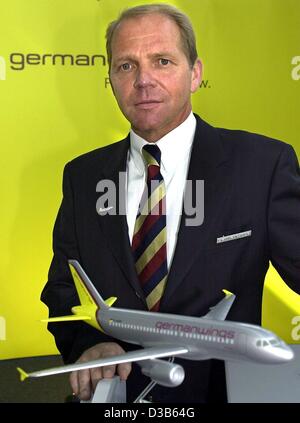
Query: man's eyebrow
[[134, 58], [122, 59], [163, 54]]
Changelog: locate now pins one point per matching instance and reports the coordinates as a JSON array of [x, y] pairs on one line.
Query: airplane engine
[[163, 372]]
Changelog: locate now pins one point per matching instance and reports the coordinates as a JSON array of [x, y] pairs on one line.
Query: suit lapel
[[208, 163], [114, 226]]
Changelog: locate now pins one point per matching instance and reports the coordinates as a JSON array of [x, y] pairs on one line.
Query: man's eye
[[126, 67], [164, 62]]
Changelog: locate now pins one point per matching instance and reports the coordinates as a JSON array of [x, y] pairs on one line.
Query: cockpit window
[[267, 342], [274, 341]]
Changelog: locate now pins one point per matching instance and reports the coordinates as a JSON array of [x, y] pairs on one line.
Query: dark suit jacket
[[251, 183]]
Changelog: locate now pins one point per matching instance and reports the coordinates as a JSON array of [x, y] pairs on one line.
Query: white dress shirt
[[175, 156]]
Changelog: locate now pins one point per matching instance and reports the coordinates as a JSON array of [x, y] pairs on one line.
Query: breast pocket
[[232, 238], [225, 259]]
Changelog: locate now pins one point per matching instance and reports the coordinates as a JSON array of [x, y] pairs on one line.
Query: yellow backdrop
[[56, 103]]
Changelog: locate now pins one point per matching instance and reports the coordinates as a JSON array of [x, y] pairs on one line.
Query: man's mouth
[[147, 104]]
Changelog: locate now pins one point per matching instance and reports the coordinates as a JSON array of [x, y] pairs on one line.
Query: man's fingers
[[96, 375], [74, 383], [84, 380], [124, 370], [108, 371]]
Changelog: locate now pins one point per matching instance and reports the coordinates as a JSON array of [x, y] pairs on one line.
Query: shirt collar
[[174, 146]]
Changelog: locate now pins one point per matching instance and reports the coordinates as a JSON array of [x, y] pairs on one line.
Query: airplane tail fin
[[220, 311], [86, 291], [90, 299]]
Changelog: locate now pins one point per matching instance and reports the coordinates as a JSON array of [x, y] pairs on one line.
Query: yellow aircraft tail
[[90, 299]]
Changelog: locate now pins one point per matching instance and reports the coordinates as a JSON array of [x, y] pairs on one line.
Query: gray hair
[[188, 38]]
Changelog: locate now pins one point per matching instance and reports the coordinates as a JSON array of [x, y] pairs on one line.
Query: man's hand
[[84, 382]]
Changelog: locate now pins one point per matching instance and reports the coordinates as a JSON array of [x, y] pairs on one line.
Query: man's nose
[[144, 78]]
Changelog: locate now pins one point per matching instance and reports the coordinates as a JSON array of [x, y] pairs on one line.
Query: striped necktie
[[149, 238]]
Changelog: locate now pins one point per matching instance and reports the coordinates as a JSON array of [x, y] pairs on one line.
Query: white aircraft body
[[168, 335]]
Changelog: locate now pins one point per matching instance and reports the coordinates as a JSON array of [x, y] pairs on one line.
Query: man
[[251, 187]]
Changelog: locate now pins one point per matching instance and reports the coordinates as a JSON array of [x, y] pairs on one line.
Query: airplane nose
[[283, 354], [288, 353]]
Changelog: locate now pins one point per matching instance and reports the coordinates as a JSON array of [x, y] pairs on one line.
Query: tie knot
[[152, 154]]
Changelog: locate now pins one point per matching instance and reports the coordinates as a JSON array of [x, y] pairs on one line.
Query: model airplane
[[168, 335]]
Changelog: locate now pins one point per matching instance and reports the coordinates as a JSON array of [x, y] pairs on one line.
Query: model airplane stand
[[109, 390], [114, 391]]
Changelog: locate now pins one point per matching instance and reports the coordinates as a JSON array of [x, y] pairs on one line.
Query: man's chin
[[146, 125], [145, 130]]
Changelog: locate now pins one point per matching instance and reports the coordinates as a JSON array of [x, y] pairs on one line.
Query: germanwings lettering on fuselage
[[195, 329]]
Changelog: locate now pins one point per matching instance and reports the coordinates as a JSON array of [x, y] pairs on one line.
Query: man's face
[[150, 75]]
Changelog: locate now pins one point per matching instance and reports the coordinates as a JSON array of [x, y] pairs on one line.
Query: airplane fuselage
[[203, 338]]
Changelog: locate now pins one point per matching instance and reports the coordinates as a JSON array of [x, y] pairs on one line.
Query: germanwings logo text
[[2, 69]]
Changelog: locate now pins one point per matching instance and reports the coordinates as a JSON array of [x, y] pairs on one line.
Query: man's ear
[[196, 75]]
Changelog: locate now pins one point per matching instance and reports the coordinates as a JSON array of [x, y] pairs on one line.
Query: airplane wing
[[139, 355], [220, 311]]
